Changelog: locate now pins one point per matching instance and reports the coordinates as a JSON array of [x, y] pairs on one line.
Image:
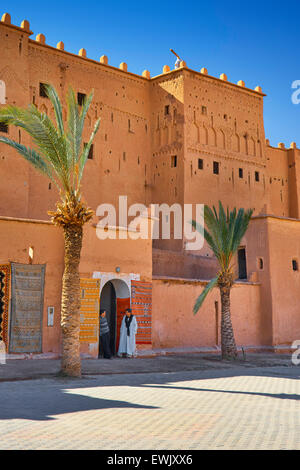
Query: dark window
[[200, 164], [167, 109], [204, 110], [216, 168], [242, 263], [3, 127], [173, 161], [295, 265], [260, 263], [91, 152], [241, 173], [43, 93], [256, 176], [80, 98]]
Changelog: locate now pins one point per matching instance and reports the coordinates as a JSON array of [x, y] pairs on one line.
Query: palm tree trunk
[[70, 304], [229, 350]]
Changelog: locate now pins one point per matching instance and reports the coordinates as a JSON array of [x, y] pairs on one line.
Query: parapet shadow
[[34, 400]]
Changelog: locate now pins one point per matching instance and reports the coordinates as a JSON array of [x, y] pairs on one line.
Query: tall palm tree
[[224, 233], [59, 154]]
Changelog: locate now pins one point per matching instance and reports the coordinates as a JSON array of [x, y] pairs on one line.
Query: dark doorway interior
[[108, 302], [242, 263]]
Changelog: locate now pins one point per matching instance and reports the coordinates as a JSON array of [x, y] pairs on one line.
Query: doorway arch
[[114, 298]]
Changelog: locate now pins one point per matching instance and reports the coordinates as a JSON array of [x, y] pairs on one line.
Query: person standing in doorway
[[104, 335], [127, 334]]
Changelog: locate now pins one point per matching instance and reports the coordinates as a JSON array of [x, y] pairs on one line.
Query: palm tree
[[59, 154], [224, 233]]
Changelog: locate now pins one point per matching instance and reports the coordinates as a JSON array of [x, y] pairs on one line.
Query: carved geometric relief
[[235, 143], [194, 133], [244, 145], [220, 139], [203, 135], [212, 138], [251, 147]]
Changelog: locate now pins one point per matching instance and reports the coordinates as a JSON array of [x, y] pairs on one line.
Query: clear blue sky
[[258, 42]]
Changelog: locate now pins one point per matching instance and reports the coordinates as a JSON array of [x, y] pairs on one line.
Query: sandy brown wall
[[174, 324]]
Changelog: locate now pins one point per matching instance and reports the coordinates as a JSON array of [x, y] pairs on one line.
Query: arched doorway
[[114, 298], [108, 302]]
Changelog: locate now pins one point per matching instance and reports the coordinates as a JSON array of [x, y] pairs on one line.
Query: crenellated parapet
[[41, 40], [25, 27]]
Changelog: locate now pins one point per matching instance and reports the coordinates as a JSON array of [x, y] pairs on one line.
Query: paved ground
[[224, 406], [23, 369]]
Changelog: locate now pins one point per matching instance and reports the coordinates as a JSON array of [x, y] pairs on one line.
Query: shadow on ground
[[42, 399]]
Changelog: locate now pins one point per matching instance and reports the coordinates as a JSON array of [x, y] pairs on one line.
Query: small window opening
[[260, 263], [43, 92], [242, 263], [241, 174], [200, 164], [167, 110], [81, 98], [256, 176], [216, 168], [173, 161], [3, 127], [204, 110], [295, 265]]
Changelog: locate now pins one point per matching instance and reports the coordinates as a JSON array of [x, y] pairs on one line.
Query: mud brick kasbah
[[180, 137]]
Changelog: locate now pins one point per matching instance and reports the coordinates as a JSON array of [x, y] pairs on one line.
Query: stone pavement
[[24, 369], [235, 407]]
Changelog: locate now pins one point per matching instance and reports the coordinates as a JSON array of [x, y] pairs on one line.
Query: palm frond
[[57, 152], [54, 98], [38, 125], [86, 150], [204, 294], [223, 232], [31, 156], [74, 128]]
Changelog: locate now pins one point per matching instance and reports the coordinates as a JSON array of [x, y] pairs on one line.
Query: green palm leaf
[[204, 294], [58, 153], [223, 232], [31, 156]]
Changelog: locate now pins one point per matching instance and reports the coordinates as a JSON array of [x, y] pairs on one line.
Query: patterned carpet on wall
[[4, 301], [27, 293], [141, 305]]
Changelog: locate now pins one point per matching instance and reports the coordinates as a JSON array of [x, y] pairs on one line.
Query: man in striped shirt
[[104, 335]]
